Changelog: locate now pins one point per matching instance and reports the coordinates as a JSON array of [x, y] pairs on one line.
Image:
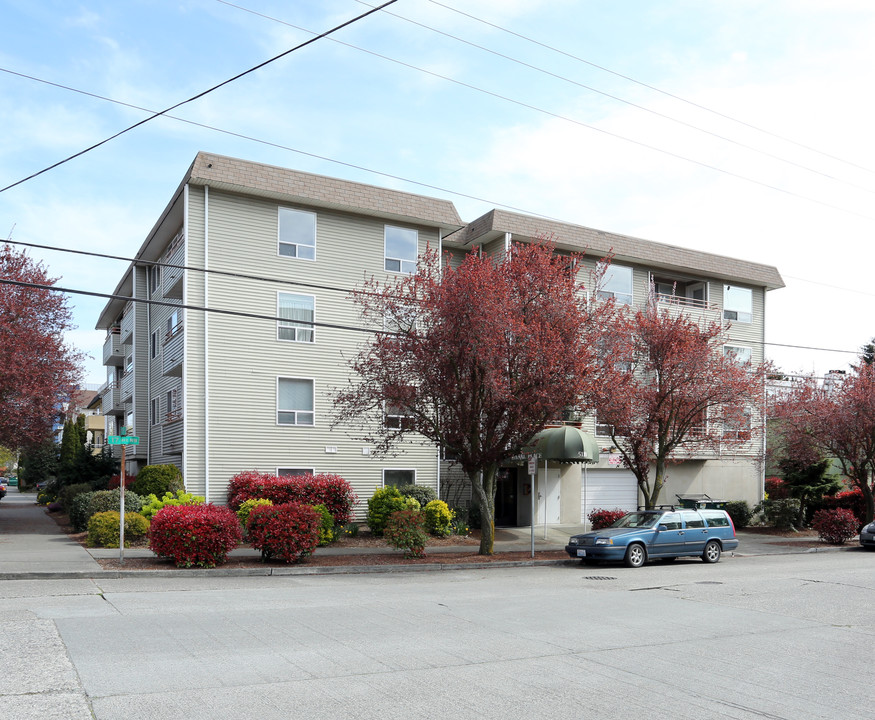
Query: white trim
[[312, 328], [206, 341], [279, 210], [400, 469], [277, 401], [312, 471], [401, 261]]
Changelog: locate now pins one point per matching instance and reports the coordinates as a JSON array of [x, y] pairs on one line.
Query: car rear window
[[716, 519]]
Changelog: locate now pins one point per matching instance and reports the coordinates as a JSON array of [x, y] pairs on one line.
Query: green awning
[[565, 444]]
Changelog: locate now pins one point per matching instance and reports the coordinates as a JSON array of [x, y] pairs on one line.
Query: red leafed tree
[[476, 359], [839, 420], [667, 391], [37, 369]]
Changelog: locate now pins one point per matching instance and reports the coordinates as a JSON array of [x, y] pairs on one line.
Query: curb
[[279, 571]]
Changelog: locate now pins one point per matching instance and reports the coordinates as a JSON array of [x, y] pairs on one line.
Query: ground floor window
[[398, 478], [294, 472]]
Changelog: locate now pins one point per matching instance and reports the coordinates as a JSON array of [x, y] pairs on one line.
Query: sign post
[[533, 471], [124, 441]]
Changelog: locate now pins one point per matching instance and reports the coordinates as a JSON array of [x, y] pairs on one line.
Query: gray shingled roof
[[629, 249], [248, 177]]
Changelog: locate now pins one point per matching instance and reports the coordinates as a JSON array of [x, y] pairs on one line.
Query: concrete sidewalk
[[32, 545]]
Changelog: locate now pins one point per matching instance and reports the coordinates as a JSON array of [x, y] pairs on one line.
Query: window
[[401, 320], [294, 472], [294, 398], [399, 477], [737, 304], [692, 519], [737, 354], [297, 234], [737, 426], [617, 284], [154, 278], [129, 424], [396, 417], [172, 325], [129, 364], [401, 248], [153, 345], [299, 310], [604, 429], [672, 521], [154, 411]]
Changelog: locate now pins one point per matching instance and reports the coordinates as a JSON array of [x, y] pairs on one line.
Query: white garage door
[[607, 490]]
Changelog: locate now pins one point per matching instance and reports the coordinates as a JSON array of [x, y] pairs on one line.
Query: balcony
[[173, 276], [697, 310], [112, 347], [172, 353], [171, 434], [127, 325], [111, 403]]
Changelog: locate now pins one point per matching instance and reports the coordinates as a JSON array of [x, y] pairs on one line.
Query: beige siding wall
[[245, 358]]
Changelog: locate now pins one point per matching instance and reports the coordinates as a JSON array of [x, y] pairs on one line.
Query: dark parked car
[[666, 534], [3, 487], [867, 536]]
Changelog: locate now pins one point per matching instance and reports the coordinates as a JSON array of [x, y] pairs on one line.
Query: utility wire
[[652, 87], [571, 120], [202, 94], [259, 278], [644, 108]]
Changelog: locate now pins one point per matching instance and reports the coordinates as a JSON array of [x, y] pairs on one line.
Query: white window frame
[[297, 471], [410, 470], [154, 278], [172, 325], [734, 308], [300, 329], [172, 406], [395, 418], [155, 411], [730, 353], [295, 248], [406, 265], [296, 411], [621, 297], [154, 345]]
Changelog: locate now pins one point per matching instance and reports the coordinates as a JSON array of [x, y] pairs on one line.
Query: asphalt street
[[770, 636]]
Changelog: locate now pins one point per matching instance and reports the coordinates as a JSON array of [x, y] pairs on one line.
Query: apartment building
[[273, 254]]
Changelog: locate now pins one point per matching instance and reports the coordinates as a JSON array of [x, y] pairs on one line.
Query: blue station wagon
[[665, 534]]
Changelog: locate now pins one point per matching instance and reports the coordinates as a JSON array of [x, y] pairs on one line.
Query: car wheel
[[635, 556], [712, 552]]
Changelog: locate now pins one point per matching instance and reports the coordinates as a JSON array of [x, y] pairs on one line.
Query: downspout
[[206, 343], [762, 488], [440, 265]]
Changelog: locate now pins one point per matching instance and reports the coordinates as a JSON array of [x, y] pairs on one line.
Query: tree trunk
[[483, 486]]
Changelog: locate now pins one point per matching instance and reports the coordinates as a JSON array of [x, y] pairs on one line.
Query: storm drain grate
[[599, 577], [709, 582]]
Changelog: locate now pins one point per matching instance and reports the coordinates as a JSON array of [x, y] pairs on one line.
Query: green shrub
[[77, 511], [158, 480], [740, 513], [405, 530], [153, 504], [422, 494], [348, 530], [438, 518], [781, 514], [381, 505], [108, 500], [326, 526], [246, 508], [68, 492], [103, 528], [460, 525]]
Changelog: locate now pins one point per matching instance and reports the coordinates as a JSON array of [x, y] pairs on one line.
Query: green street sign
[[123, 440]]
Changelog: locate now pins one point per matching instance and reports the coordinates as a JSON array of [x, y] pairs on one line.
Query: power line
[[644, 108], [651, 87], [260, 278], [565, 118], [202, 94]]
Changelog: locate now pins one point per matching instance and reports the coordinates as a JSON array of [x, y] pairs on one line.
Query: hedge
[[287, 531], [332, 491], [199, 535]]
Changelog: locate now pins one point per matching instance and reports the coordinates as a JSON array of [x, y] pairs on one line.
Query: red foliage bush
[[776, 489], [326, 489], [849, 500], [288, 531], [600, 518], [835, 526], [115, 480], [199, 535], [405, 530]]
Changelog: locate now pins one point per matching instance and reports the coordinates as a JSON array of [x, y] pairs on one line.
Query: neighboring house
[[86, 401], [218, 393]]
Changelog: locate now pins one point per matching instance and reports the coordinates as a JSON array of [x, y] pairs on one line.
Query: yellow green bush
[[439, 518], [103, 528]]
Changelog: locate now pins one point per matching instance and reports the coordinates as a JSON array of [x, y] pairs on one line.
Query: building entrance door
[[506, 498]]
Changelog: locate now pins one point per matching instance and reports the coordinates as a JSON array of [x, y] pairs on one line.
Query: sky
[[740, 128]]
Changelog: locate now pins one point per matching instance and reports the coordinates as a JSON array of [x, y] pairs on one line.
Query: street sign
[[123, 440], [533, 464]]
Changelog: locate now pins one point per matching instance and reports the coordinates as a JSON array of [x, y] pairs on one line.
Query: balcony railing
[[691, 307], [127, 386], [173, 351], [173, 276], [112, 347], [171, 437], [111, 403]]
